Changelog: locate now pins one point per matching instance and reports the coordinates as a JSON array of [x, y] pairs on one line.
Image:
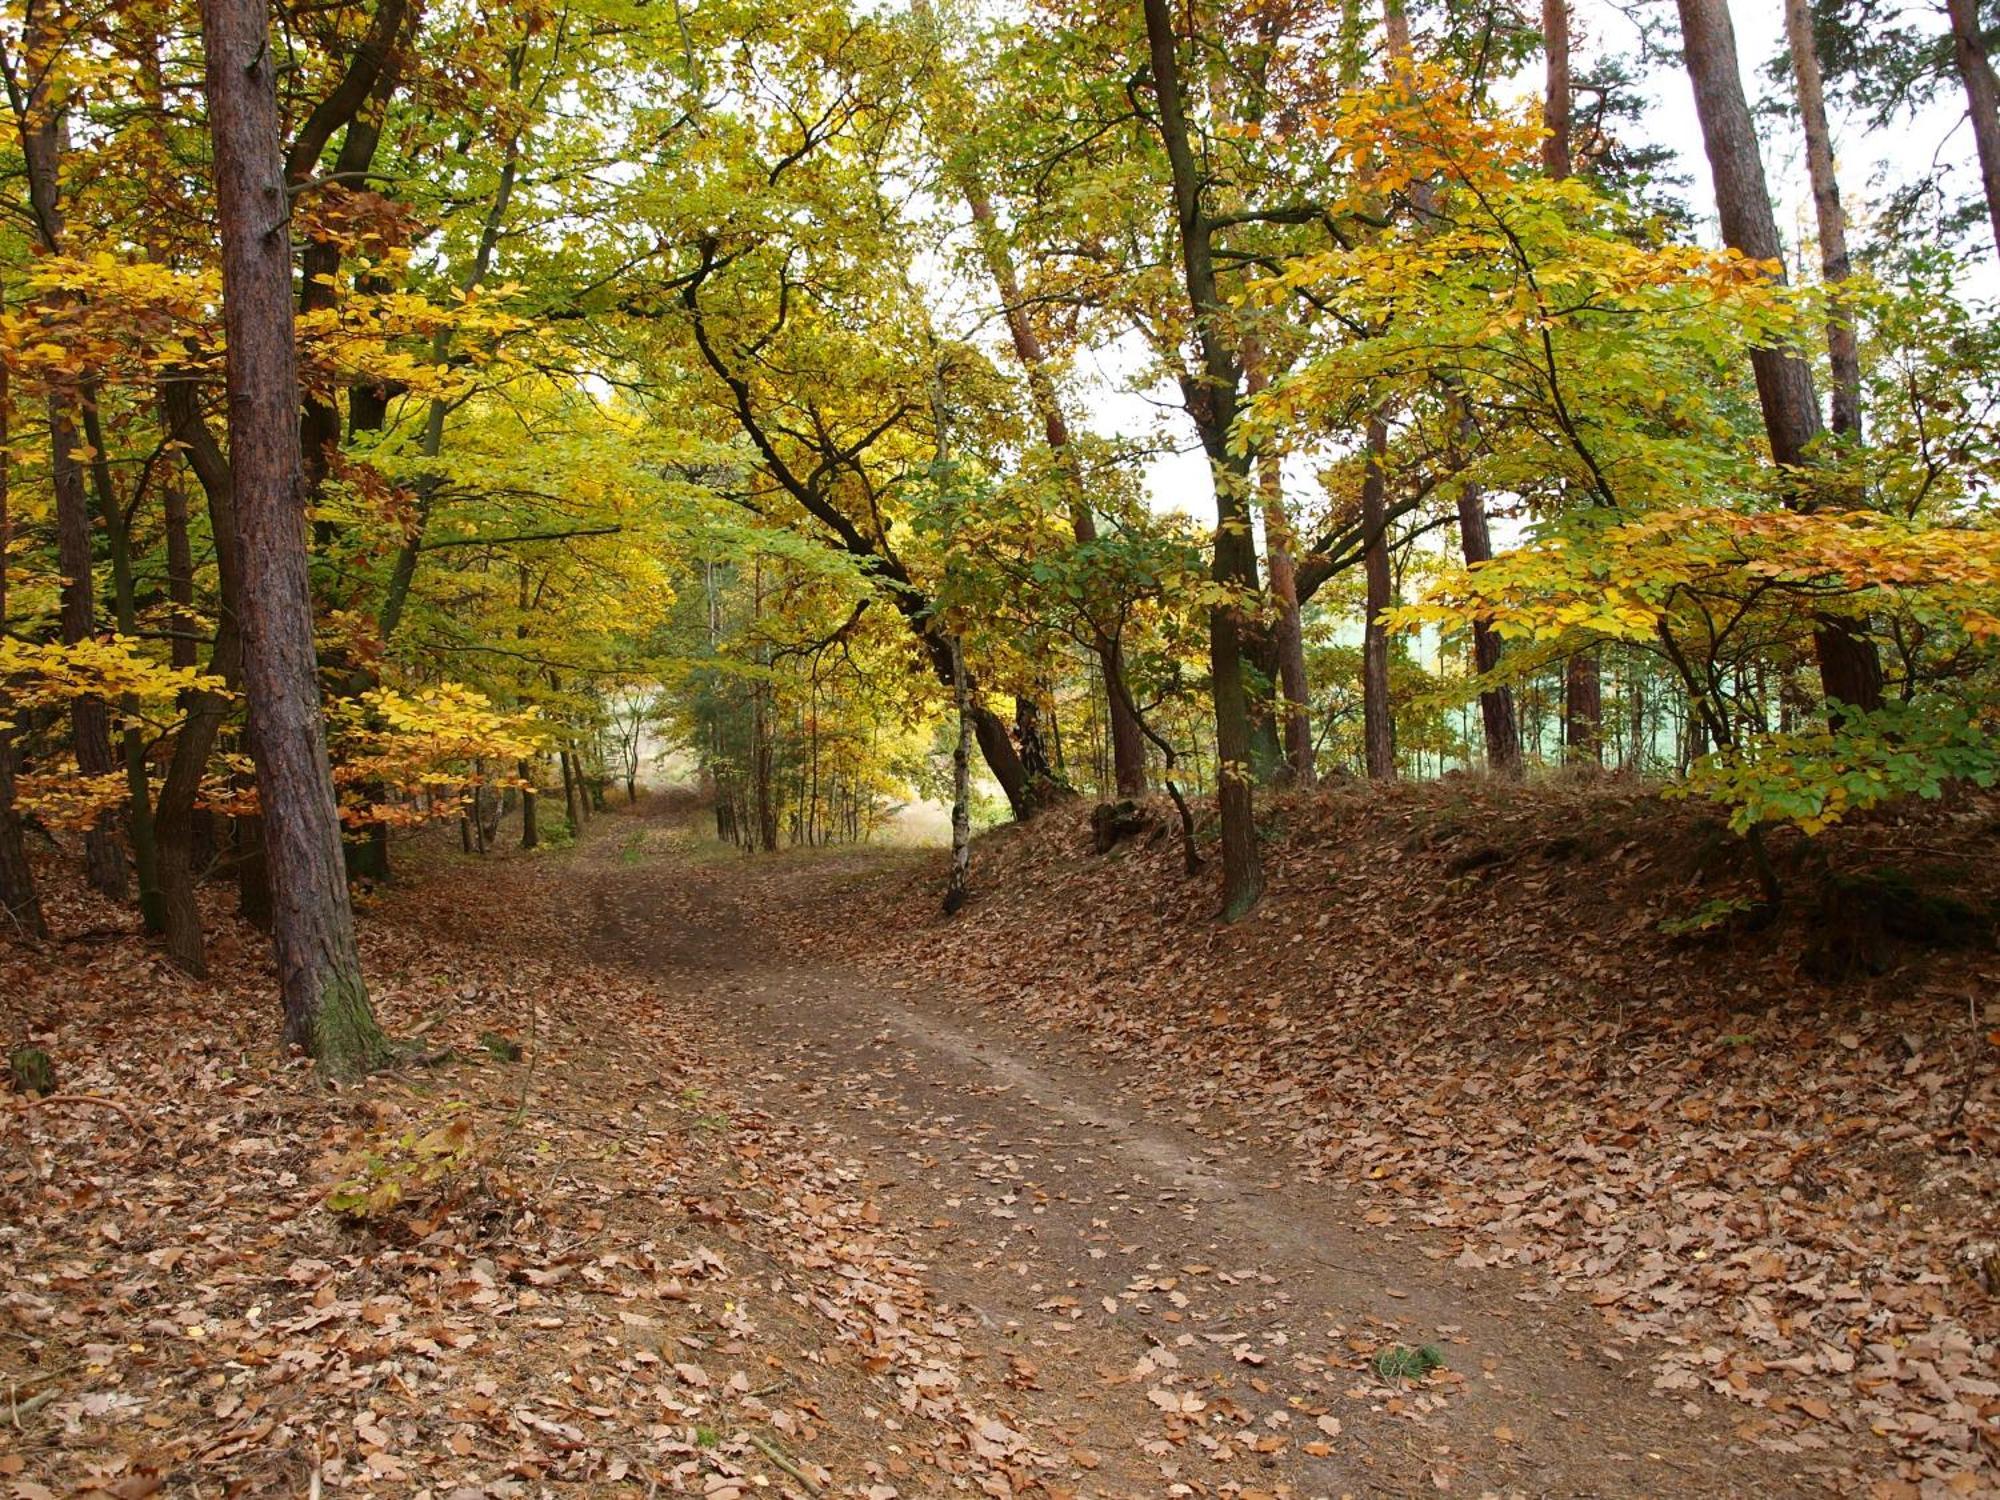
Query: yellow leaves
[[435, 742], [47, 674], [1626, 580], [64, 798], [103, 318]]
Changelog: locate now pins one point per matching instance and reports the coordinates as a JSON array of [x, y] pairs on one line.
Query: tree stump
[[1111, 823]]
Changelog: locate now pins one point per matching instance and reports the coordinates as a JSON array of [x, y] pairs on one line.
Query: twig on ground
[[779, 1457], [30, 1103]]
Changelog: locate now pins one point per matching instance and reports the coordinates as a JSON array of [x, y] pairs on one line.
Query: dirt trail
[[1178, 1315]]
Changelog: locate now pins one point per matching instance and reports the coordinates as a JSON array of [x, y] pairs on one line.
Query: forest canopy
[[415, 411]]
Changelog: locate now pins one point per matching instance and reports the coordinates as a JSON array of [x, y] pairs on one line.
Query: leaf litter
[[1459, 1001]]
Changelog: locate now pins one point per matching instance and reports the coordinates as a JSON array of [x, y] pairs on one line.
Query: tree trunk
[[1496, 705], [319, 965], [1982, 99], [362, 97], [1583, 686], [39, 116], [572, 797], [531, 833], [1128, 745], [202, 713], [761, 758], [138, 783], [1583, 710], [961, 792], [1211, 397], [90, 720], [1556, 96], [180, 576], [1288, 644], [1844, 356], [20, 903], [1377, 711], [1850, 667], [1028, 738]]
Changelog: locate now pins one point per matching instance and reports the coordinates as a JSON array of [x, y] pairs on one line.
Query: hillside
[[1459, 1001]]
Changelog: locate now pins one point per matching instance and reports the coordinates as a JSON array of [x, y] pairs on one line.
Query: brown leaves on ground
[[1459, 999], [587, 1270]]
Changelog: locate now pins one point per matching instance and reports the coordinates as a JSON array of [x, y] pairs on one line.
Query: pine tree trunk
[[1556, 96], [1982, 99], [1843, 353], [319, 965], [1850, 666]]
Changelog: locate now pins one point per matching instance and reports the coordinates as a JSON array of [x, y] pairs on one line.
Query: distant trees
[[749, 362]]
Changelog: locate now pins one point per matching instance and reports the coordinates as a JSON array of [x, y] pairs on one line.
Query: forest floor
[[793, 1189]]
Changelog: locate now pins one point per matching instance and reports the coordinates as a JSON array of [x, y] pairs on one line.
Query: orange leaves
[[1626, 580], [1422, 126]]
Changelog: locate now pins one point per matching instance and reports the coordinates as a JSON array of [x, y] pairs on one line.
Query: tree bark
[[1982, 99], [1288, 630], [203, 712], [961, 793], [1496, 705], [319, 964], [20, 902], [180, 575], [1377, 711], [138, 781], [531, 833], [90, 718], [1583, 686], [356, 104], [1843, 355], [1850, 666], [1583, 710], [1556, 96], [38, 117], [1211, 395]]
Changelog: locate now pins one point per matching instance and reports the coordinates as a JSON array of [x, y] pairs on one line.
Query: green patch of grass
[[1400, 1363]]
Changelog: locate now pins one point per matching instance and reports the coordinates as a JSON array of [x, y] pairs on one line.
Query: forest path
[[1176, 1311]]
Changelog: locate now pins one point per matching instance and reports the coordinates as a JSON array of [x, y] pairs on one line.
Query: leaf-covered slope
[[1461, 1000]]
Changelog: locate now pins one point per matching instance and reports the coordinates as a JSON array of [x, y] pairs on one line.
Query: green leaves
[[1813, 779]]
